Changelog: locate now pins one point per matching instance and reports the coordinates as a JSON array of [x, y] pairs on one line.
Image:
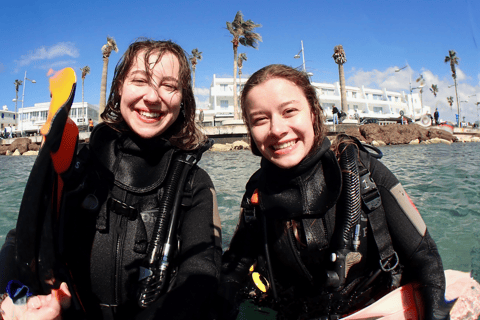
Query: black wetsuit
[[106, 245], [302, 208]]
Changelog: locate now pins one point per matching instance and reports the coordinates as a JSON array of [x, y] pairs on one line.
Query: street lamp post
[[23, 99], [297, 56], [459, 122], [411, 89]]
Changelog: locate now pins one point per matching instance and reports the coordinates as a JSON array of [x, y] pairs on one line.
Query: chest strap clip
[[123, 209]]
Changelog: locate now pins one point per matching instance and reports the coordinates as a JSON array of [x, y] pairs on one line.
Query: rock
[[8, 153], [416, 141], [475, 139], [33, 147], [378, 143], [30, 153], [240, 145], [220, 147], [16, 153], [20, 144], [4, 149], [394, 134]]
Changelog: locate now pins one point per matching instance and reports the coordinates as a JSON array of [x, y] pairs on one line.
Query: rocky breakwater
[[395, 134], [237, 145], [20, 146]]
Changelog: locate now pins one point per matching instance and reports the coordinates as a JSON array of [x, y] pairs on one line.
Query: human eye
[[138, 79], [170, 86], [290, 112], [258, 120]]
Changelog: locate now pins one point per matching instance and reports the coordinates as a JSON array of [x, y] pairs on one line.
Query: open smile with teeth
[[284, 145], [151, 115]]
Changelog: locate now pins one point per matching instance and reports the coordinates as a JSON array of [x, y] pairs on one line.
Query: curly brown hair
[[300, 79], [183, 133]]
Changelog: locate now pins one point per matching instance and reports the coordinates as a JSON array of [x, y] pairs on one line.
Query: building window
[[355, 107], [224, 104], [354, 94], [389, 98], [377, 97], [224, 87], [377, 109]]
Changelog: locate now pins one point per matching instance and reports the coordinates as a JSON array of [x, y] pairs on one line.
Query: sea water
[[442, 180]]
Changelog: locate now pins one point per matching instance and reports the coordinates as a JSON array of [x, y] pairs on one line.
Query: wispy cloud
[[46, 53], [202, 92], [57, 65], [399, 81]]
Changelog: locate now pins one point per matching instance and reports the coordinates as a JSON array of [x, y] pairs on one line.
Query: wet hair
[[300, 79], [183, 133]]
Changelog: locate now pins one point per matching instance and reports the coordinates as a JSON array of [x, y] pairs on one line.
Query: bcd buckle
[[384, 265]]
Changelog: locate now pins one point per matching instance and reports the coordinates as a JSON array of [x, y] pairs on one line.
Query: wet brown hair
[[300, 79], [183, 133]]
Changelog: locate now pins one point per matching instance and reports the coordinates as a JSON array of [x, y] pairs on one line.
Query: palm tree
[[453, 59], [241, 57], [243, 34], [85, 71], [421, 83], [450, 101], [17, 84], [340, 59], [107, 48], [434, 89], [196, 56]]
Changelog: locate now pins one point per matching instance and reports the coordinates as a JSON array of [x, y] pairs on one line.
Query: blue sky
[[378, 37]]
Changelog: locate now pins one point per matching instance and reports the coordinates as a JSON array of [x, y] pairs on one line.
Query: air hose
[[351, 192], [349, 241], [154, 272]]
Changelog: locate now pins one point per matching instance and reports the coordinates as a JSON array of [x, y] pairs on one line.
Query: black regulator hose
[[154, 272], [351, 191], [346, 254]]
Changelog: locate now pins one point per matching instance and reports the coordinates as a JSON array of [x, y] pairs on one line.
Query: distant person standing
[[201, 117], [90, 125], [335, 114], [436, 115]]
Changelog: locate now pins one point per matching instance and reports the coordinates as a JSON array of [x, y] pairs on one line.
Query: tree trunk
[[193, 80], [456, 95], [343, 90], [83, 81], [103, 89], [235, 101]]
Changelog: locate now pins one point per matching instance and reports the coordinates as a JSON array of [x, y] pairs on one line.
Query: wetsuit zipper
[[121, 226]]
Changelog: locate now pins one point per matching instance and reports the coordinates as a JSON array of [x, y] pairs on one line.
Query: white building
[[221, 100], [362, 102], [7, 119], [31, 119]]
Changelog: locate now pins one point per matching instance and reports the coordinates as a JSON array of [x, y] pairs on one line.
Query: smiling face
[[150, 99], [280, 121]]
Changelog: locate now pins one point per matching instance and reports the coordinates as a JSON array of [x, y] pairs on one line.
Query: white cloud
[[57, 65], [400, 81], [44, 53], [202, 91]]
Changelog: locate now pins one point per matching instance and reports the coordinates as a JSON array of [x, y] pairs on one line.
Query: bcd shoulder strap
[[376, 217]]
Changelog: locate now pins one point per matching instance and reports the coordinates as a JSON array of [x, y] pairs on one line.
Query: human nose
[[151, 95], [278, 127]]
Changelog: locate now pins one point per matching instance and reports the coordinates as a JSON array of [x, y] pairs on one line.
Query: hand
[[44, 307]]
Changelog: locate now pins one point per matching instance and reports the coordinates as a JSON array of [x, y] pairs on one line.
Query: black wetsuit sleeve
[[416, 249], [236, 262], [198, 259]]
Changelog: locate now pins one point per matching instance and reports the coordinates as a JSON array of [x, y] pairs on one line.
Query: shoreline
[[374, 134]]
